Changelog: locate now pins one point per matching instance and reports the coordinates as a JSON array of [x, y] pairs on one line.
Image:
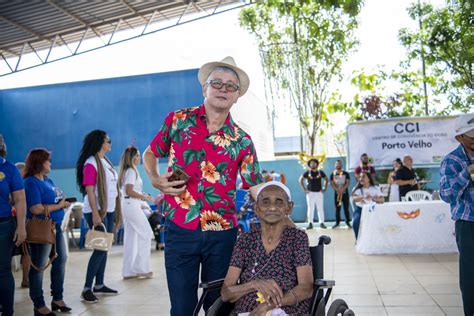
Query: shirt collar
[[201, 115]]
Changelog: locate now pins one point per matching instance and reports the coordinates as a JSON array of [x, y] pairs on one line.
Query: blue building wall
[[58, 116]]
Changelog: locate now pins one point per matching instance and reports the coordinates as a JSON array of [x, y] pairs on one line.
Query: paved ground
[[372, 285]]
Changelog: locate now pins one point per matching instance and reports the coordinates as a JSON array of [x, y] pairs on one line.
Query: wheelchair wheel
[[338, 308]]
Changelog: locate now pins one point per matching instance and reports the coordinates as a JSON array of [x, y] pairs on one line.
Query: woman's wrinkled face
[[273, 205]]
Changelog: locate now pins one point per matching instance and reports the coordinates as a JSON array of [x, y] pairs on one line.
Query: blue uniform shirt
[[10, 181], [43, 192]]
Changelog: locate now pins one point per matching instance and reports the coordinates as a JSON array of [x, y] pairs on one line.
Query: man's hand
[[470, 169], [161, 183], [271, 291], [261, 309], [20, 235]]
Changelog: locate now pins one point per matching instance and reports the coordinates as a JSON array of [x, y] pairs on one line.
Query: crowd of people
[[207, 152]]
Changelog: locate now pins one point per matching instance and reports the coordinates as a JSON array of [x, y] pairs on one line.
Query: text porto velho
[[410, 144]]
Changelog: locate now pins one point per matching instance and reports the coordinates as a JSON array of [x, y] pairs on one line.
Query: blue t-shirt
[[43, 192], [10, 181]]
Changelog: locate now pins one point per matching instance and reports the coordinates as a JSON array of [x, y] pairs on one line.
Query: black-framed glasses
[[108, 141], [218, 84]]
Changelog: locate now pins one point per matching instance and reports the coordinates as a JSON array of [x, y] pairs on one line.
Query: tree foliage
[[303, 45], [445, 40]]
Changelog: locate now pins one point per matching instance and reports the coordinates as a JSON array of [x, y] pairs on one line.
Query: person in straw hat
[[206, 150], [457, 189]]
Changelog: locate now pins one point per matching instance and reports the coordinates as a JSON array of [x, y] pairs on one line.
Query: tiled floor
[[371, 285]]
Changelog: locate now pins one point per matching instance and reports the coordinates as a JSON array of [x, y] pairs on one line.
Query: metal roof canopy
[[45, 27]]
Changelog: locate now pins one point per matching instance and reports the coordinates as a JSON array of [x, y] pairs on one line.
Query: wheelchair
[[321, 290]]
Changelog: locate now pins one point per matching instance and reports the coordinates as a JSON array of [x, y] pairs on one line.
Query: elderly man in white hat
[[206, 150], [457, 189]]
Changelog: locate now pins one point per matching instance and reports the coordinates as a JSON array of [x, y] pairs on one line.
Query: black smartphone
[[177, 175], [71, 199]]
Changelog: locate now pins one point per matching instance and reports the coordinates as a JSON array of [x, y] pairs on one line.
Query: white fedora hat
[[228, 62]]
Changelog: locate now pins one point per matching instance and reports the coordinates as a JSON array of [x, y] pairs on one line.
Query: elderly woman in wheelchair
[[272, 265]]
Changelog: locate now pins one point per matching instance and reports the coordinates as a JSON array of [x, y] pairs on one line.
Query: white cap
[[275, 183], [465, 125]]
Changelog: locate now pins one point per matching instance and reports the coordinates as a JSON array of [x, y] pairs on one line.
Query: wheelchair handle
[[324, 240]]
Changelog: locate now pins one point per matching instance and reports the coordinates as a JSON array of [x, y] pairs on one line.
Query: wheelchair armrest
[[213, 285], [324, 283]]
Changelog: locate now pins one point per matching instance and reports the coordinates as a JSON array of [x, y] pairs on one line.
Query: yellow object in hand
[[260, 298]]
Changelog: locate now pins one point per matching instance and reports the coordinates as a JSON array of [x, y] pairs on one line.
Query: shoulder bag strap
[[26, 251]]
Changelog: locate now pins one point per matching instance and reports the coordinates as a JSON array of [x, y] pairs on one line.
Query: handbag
[[41, 231], [99, 240]]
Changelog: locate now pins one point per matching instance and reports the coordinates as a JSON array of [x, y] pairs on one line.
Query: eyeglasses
[[218, 84], [108, 141]]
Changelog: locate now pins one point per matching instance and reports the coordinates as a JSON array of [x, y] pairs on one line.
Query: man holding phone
[[206, 149]]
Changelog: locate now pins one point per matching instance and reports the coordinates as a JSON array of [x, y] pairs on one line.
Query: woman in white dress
[[138, 234], [394, 195]]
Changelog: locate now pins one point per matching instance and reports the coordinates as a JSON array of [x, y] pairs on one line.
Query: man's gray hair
[[224, 69]]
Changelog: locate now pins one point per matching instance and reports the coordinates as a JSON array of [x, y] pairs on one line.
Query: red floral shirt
[[212, 160]]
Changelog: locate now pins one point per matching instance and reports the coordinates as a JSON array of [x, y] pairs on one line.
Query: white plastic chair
[[418, 195]]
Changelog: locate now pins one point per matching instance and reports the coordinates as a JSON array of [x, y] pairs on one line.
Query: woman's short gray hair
[[224, 69]]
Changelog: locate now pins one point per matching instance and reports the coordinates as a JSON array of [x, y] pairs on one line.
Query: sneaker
[[323, 225], [310, 226], [336, 225], [89, 297], [105, 290], [349, 225]]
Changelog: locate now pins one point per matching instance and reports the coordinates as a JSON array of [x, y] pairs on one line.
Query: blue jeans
[[39, 256], [7, 282], [465, 241], [356, 219], [186, 250], [98, 260]]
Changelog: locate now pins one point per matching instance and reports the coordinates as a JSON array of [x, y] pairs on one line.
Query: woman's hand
[[148, 198], [271, 291], [96, 220], [64, 204], [261, 309], [20, 235]]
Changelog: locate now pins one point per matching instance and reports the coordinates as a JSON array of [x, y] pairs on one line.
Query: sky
[[211, 39]]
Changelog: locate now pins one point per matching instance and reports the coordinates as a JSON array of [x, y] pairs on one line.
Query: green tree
[[303, 45], [445, 42]]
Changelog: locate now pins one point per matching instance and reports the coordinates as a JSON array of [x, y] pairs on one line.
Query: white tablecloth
[[406, 227]]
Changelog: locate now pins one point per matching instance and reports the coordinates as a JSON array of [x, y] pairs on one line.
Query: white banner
[[426, 139]]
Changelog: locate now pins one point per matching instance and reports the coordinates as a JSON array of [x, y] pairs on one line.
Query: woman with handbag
[[45, 200], [97, 181], [138, 234], [11, 231]]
